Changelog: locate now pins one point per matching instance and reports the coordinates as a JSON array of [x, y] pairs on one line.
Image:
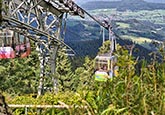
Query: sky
[[84, 1]]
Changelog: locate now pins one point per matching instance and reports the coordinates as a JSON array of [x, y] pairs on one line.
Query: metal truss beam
[[41, 21]]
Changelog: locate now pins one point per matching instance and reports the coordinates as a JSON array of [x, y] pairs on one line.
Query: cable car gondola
[[106, 64], [13, 44]]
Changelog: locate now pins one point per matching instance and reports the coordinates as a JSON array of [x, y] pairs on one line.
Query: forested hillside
[[85, 37]]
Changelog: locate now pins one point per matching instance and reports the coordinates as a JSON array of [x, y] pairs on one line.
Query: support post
[[103, 36], [42, 71], [111, 38], [54, 50]]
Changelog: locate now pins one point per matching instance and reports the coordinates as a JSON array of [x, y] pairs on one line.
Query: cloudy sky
[[83, 1]]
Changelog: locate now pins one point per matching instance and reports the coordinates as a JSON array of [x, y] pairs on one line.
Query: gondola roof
[[105, 56]]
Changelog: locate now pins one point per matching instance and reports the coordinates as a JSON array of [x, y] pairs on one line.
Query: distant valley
[[123, 5], [142, 27]]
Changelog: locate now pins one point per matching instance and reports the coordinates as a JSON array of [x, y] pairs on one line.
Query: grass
[[138, 40], [103, 11], [123, 25]]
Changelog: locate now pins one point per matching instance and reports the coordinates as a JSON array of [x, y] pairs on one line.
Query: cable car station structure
[[40, 21]]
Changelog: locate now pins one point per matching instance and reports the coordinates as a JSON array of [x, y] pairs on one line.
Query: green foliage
[[85, 75], [129, 93], [0, 11], [19, 76], [105, 48], [64, 72]]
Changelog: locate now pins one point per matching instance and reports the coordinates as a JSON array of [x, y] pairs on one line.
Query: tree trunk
[[4, 109]]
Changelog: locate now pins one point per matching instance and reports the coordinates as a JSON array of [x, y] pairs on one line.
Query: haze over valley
[[143, 24]]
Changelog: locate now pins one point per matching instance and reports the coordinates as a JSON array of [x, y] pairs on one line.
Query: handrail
[[36, 106]]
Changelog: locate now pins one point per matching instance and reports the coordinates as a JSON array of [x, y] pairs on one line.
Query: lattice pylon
[[37, 19]]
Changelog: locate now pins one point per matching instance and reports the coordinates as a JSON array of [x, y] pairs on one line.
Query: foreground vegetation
[[139, 88]]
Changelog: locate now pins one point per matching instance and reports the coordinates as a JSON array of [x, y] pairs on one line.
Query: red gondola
[[13, 44]]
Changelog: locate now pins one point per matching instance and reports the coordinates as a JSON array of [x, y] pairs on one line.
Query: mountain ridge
[[80, 2], [123, 5]]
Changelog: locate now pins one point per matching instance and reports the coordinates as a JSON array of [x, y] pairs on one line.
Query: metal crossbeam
[[40, 16], [41, 21]]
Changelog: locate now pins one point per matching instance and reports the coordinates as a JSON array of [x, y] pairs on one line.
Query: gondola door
[[102, 66], [6, 50], [13, 45], [23, 46]]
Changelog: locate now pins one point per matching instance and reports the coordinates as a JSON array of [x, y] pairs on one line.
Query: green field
[[123, 25], [139, 40], [155, 16]]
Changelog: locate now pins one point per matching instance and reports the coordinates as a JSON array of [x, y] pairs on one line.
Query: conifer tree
[[19, 76], [64, 71]]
